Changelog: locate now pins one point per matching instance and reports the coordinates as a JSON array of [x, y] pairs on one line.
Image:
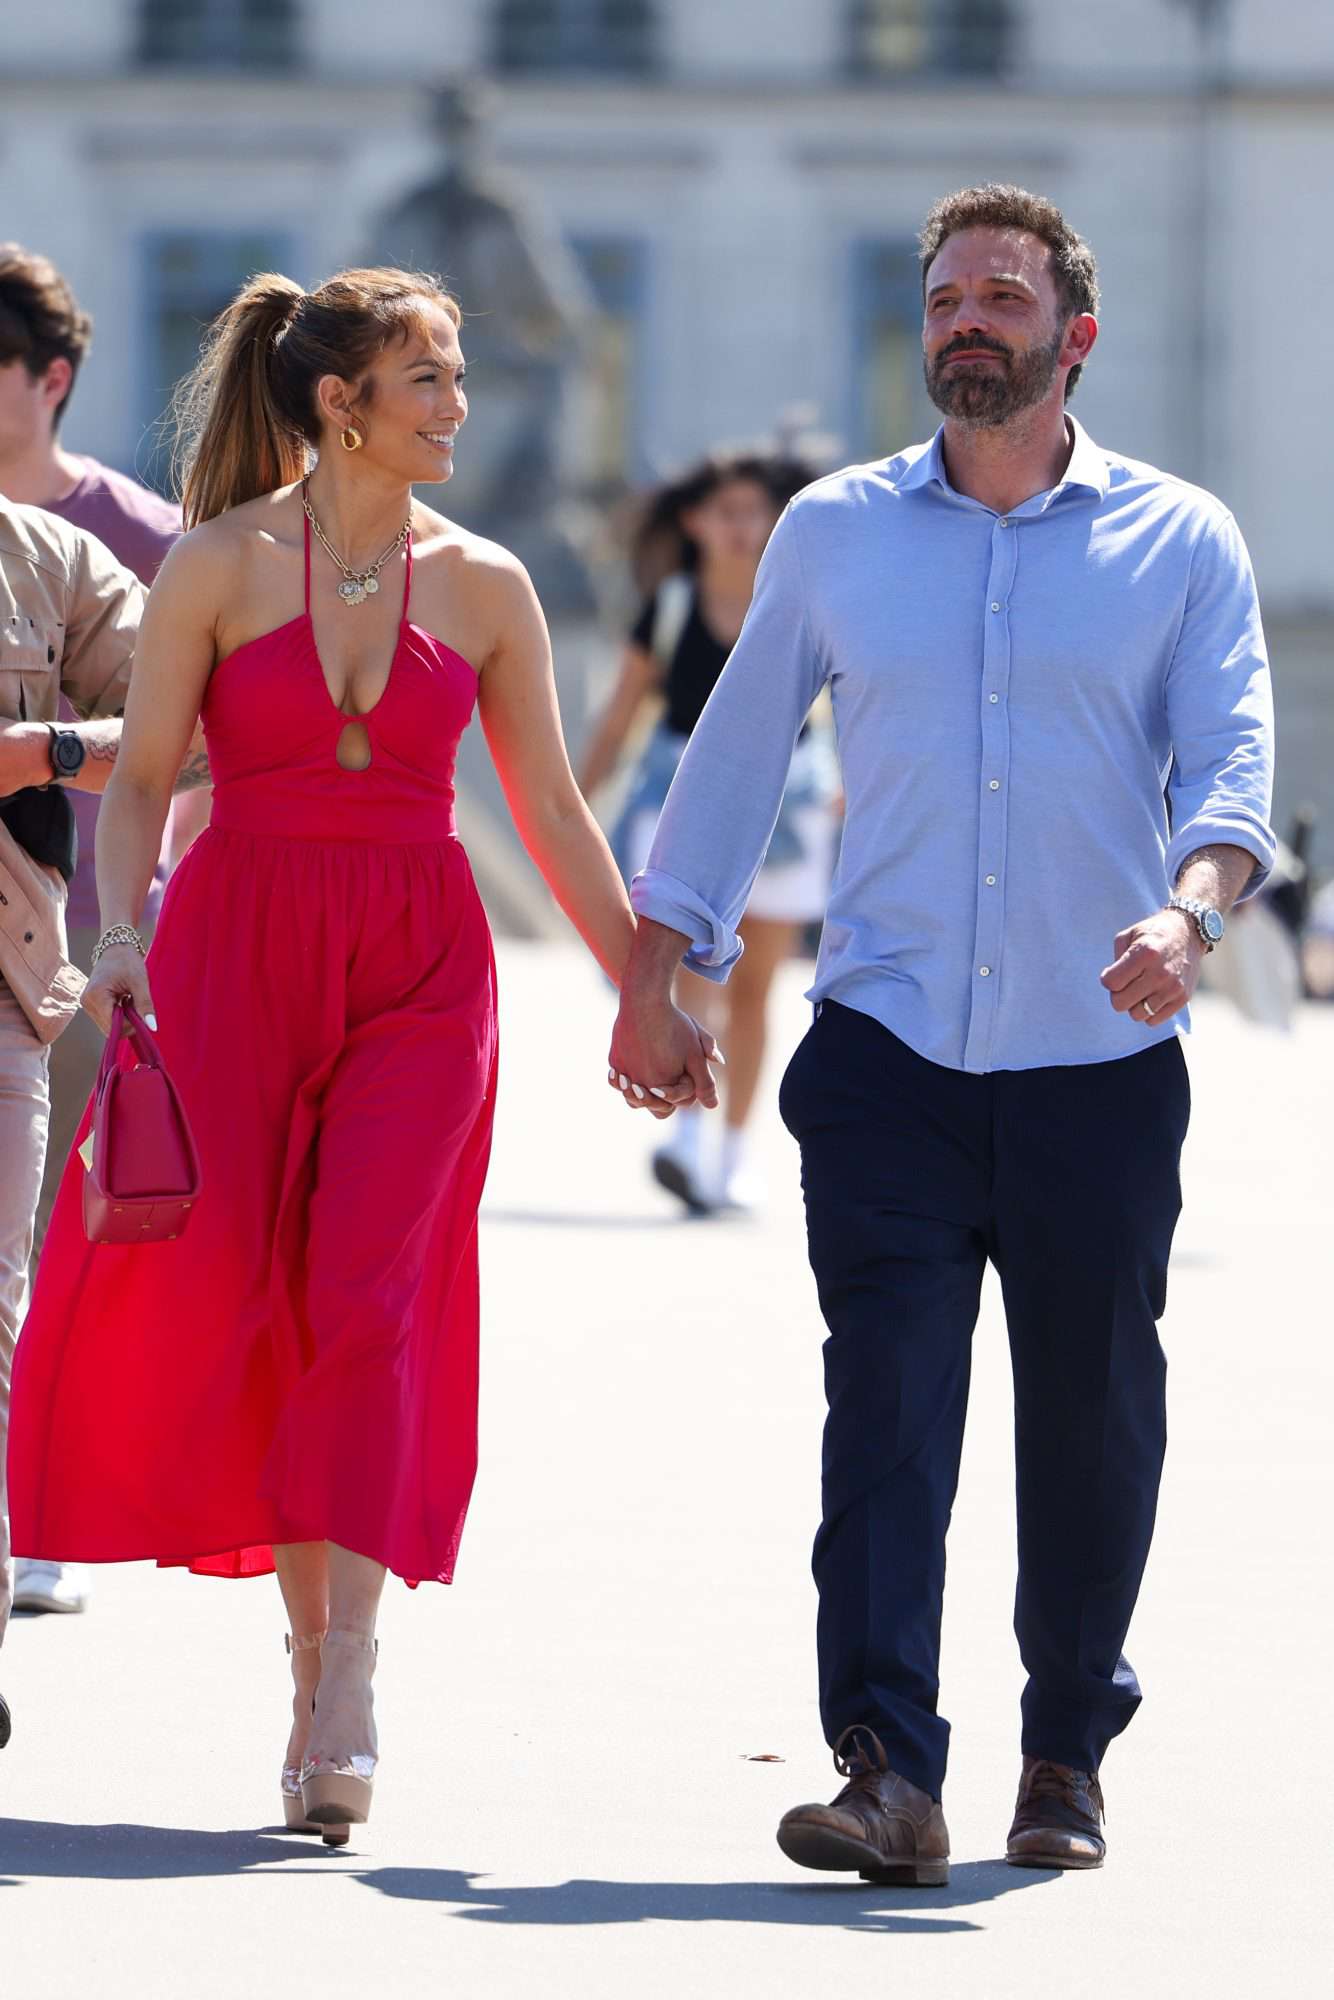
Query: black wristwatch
[[68, 752]]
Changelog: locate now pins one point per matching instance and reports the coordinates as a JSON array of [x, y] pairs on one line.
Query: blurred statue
[[525, 313]]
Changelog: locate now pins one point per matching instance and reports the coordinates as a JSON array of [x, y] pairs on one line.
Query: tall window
[[219, 34], [615, 269], [189, 276], [888, 38], [890, 406], [613, 36]]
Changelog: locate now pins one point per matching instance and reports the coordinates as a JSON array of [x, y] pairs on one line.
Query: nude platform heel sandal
[[336, 1783], [294, 1813]]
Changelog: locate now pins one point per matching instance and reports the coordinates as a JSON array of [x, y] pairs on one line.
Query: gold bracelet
[[118, 934]]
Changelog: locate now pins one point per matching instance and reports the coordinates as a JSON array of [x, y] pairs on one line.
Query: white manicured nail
[[624, 1082], [150, 1021], [655, 1092], [638, 1089]]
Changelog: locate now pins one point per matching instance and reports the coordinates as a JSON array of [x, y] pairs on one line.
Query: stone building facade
[[741, 186]]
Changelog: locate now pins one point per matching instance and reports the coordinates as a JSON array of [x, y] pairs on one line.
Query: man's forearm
[[25, 748], [1216, 876], [101, 740], [25, 754], [654, 958]]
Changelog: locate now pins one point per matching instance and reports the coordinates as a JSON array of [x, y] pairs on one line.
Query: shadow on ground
[[43, 1849], [50, 1849], [847, 1905]]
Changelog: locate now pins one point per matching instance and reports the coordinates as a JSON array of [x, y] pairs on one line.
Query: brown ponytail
[[246, 418]]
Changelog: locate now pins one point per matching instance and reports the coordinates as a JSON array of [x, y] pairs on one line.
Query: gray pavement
[[568, 1800]]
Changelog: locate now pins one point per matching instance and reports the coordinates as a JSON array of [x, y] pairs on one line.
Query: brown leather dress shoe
[[1058, 1818], [879, 1824]]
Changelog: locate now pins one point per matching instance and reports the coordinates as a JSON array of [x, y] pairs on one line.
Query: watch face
[[67, 754], [1213, 926]]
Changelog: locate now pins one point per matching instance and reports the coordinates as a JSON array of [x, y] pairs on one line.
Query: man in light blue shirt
[[1052, 700]]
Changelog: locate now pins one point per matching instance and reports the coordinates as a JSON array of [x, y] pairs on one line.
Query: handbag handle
[[128, 1022]]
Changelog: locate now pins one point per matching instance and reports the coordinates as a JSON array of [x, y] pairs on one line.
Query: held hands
[[660, 1059], [119, 973], [1156, 966]]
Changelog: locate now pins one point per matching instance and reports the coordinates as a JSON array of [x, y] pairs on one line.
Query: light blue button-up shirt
[[1040, 716]]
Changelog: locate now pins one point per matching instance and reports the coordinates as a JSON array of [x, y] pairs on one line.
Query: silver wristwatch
[[1208, 921]]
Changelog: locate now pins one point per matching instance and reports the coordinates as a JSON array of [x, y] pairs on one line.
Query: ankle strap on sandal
[[342, 1635], [307, 1643]]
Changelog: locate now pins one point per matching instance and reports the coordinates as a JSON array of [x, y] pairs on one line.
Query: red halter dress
[[302, 1364]]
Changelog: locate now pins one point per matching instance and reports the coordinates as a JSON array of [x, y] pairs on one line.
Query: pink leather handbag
[[143, 1180]]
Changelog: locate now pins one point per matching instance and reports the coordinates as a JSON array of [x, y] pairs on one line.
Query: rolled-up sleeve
[[106, 602], [723, 805], [1220, 711]]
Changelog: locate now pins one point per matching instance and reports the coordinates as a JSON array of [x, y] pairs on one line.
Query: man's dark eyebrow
[[993, 278]]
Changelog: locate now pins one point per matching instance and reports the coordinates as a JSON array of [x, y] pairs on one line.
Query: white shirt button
[[994, 697], [995, 607], [995, 784], [984, 971], [991, 881], [1005, 524]]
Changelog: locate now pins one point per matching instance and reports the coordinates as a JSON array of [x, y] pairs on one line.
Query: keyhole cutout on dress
[[354, 745]]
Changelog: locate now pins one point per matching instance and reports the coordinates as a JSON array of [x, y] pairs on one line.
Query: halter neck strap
[[407, 577]]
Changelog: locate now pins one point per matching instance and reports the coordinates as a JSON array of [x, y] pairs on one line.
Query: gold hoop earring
[[350, 431]]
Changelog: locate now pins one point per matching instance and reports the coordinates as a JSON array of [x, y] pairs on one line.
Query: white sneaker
[[49, 1586], [741, 1193]]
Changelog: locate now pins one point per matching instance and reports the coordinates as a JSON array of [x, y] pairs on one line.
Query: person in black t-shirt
[[698, 549]]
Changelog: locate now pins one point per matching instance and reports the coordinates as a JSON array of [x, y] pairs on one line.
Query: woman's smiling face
[[410, 404]]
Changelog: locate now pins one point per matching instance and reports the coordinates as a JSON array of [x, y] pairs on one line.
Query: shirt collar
[[1087, 467], [928, 467], [1088, 463]]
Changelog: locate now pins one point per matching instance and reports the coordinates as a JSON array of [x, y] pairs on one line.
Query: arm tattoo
[[194, 772], [101, 741], [103, 744]]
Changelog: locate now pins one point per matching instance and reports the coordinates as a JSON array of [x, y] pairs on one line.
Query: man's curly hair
[[997, 206]]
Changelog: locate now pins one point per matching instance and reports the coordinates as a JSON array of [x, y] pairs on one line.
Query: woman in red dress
[[293, 1385]]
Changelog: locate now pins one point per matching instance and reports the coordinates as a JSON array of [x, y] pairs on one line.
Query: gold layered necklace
[[357, 584]]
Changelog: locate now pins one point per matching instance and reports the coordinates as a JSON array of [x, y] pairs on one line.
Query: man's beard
[[985, 398]]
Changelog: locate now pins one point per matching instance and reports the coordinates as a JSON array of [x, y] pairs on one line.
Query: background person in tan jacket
[[69, 617], [45, 346]]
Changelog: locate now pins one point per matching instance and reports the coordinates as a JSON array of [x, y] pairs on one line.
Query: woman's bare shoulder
[[220, 557], [239, 559], [240, 531], [477, 594], [467, 556]]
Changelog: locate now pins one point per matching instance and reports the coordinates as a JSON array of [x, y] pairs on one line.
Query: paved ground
[[568, 1802]]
